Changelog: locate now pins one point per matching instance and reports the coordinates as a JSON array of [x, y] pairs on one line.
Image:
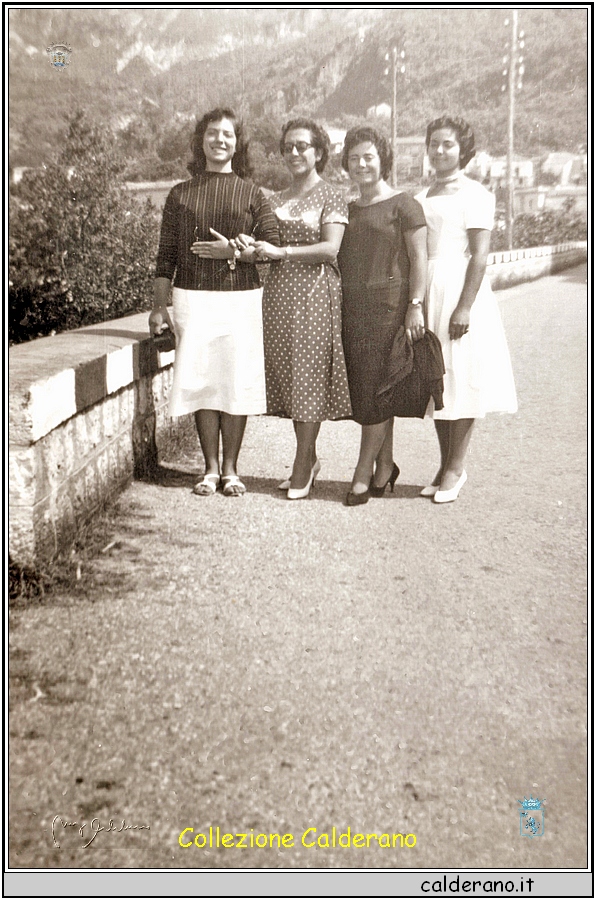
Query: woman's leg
[[460, 432], [384, 460], [443, 429], [207, 422], [306, 452], [314, 448], [232, 432], [371, 443]]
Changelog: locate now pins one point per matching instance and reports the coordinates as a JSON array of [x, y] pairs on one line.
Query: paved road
[[267, 666]]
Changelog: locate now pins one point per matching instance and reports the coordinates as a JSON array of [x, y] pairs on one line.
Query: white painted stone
[[52, 402], [119, 368]]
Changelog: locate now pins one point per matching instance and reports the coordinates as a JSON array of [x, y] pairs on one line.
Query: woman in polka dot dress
[[305, 369]]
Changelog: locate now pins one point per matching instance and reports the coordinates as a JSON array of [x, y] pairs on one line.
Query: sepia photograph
[[298, 455]]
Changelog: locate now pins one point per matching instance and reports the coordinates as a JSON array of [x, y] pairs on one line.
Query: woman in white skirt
[[219, 372], [461, 307]]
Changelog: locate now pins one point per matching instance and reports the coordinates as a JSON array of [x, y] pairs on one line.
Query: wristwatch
[[415, 301]]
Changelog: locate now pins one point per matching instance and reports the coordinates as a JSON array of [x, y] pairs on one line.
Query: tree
[[81, 249]]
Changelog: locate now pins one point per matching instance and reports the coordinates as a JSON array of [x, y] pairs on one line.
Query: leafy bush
[[81, 249], [268, 168], [542, 229]]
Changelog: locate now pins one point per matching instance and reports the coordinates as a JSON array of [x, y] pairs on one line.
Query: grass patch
[[71, 572]]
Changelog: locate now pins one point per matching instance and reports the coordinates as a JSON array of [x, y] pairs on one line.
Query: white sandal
[[206, 486], [232, 486]]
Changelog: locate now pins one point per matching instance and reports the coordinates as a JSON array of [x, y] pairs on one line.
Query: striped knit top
[[219, 200]]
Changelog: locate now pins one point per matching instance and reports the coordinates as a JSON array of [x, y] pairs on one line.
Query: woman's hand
[[244, 241], [415, 239], [266, 251], [159, 320], [414, 324], [479, 241], [459, 323], [246, 244], [218, 249]]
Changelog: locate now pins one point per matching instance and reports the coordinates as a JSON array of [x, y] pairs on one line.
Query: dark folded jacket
[[414, 375]]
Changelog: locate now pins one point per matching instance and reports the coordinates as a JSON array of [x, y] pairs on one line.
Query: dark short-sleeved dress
[[375, 271], [304, 362]]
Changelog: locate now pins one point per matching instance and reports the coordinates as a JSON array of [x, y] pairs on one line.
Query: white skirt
[[478, 375], [219, 361]]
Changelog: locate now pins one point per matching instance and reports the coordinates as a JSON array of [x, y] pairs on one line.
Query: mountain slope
[[271, 64]]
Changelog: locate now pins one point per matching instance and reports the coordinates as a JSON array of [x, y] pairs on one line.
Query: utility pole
[[515, 70], [511, 118], [397, 67], [394, 118]]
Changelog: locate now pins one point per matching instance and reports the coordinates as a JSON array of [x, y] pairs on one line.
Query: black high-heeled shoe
[[379, 491], [353, 499]]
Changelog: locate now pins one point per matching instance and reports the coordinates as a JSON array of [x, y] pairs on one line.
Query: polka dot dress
[[305, 369]]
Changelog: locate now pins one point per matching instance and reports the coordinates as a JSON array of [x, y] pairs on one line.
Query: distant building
[[575, 171], [479, 166], [382, 111], [529, 200], [555, 163], [538, 199], [566, 168], [523, 173], [337, 137], [410, 157]]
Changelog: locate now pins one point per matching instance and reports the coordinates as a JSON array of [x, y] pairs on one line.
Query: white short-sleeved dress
[[478, 374], [305, 366]]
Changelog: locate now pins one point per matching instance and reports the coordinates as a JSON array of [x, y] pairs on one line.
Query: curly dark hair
[[240, 161], [318, 137], [463, 131], [364, 133]]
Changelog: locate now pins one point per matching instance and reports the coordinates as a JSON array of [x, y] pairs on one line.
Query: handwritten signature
[[94, 826]]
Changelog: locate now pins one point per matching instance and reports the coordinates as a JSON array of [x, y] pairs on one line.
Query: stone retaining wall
[[88, 411]]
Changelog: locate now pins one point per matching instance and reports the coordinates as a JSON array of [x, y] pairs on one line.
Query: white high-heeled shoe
[[300, 493], [452, 493], [285, 485]]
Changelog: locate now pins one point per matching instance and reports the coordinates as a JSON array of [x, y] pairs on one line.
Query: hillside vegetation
[[143, 75], [81, 250]]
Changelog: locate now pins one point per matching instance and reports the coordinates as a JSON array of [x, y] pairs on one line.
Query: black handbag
[[165, 341]]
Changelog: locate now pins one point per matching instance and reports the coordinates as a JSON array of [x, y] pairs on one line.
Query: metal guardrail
[[509, 256]]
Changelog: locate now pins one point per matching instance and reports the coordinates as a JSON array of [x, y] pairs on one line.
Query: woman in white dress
[[461, 307], [219, 372]]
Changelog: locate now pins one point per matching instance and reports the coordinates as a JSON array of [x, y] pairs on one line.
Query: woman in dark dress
[[383, 267]]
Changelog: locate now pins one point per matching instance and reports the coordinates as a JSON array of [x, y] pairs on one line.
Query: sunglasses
[[301, 147]]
